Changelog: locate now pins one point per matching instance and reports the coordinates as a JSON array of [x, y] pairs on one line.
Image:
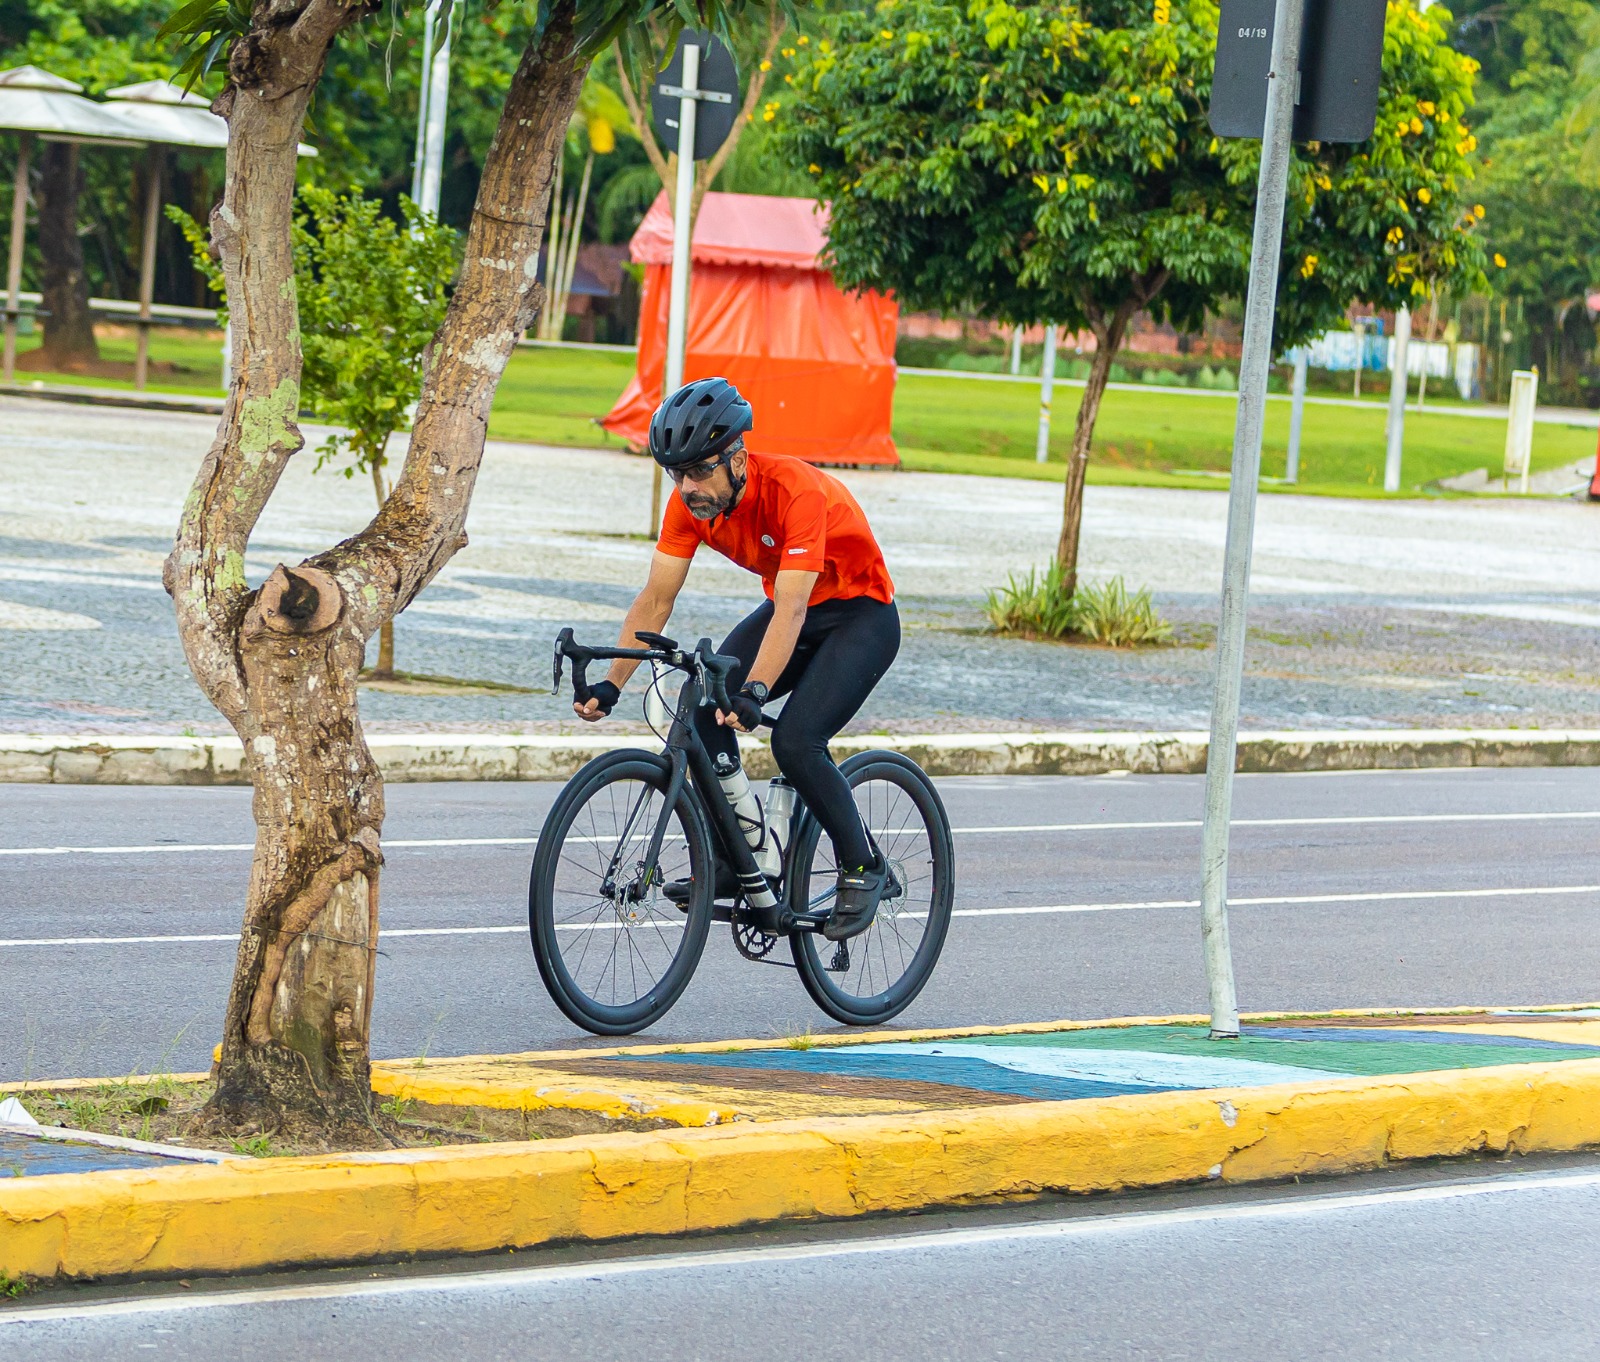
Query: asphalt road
[[1455, 1266], [1375, 889]]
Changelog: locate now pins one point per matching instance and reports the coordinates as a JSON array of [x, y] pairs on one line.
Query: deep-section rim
[[850, 1009], [594, 1016]]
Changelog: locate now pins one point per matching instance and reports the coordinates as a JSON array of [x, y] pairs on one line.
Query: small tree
[[1053, 163], [372, 293]]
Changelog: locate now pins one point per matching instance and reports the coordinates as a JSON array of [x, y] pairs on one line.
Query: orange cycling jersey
[[791, 518]]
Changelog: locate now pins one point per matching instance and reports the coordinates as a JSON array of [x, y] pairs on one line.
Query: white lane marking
[[1029, 910], [1309, 1208], [1157, 825]]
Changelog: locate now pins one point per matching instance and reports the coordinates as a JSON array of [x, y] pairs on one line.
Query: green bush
[[1163, 378], [1038, 606], [1221, 379]]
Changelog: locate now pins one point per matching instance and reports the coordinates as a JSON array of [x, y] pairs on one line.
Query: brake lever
[[562, 640]]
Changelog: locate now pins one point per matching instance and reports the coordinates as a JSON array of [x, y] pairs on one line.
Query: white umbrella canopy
[[33, 100], [169, 114]]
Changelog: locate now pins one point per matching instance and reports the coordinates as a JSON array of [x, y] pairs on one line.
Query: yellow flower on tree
[[1499, 260], [1424, 196], [1308, 267]]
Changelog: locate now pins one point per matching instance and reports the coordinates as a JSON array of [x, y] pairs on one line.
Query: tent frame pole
[[19, 229], [147, 265]]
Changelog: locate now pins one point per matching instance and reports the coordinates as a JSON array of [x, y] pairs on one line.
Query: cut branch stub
[[303, 600]]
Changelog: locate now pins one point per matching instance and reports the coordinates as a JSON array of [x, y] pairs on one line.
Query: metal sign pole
[[1399, 386], [1047, 385], [678, 309], [1297, 415], [1261, 305]]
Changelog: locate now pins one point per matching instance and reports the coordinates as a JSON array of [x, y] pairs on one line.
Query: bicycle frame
[[706, 684]]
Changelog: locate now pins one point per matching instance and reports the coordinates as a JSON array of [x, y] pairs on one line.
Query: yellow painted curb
[[251, 1215]]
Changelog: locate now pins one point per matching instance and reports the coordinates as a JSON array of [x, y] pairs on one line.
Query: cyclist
[[824, 637]]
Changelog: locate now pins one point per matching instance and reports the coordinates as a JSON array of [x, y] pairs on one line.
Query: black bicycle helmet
[[702, 420]]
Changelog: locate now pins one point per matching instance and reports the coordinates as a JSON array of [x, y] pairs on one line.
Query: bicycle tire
[[814, 956], [559, 917]]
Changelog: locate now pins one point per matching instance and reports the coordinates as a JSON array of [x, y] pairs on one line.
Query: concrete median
[[162, 760], [1504, 1082]]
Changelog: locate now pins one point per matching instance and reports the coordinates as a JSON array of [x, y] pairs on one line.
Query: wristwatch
[[757, 691]]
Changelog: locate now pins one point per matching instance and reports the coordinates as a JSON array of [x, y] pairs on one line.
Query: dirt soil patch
[[166, 1111]]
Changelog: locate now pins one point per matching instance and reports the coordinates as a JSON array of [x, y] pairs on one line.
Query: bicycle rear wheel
[[613, 951], [875, 976]]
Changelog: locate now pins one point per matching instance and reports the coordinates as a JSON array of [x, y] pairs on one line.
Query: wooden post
[[147, 264], [19, 230]]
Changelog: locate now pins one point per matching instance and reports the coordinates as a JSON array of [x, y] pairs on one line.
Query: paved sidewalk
[[1412, 614]]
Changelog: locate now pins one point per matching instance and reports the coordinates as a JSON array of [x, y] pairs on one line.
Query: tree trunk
[[281, 663], [1108, 340], [69, 341]]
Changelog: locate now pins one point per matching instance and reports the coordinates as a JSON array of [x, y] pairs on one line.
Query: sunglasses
[[698, 472]]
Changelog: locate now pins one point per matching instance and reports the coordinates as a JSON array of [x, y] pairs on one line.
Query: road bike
[[616, 952]]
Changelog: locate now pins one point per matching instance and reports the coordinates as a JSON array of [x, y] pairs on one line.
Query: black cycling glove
[[606, 695], [747, 710]]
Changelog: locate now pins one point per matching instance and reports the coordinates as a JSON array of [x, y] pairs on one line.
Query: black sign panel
[[1341, 65], [714, 119]]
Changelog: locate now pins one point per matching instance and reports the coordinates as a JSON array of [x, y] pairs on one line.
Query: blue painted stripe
[[953, 1071]]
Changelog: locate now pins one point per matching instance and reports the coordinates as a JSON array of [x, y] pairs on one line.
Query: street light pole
[[1255, 365], [427, 174]]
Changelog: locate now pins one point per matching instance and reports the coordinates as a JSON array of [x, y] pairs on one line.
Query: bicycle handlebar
[[710, 666]]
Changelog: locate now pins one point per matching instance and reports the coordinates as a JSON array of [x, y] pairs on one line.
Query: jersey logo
[[768, 540], [806, 550]]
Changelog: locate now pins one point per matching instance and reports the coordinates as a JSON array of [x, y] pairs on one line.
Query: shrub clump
[[1038, 606]]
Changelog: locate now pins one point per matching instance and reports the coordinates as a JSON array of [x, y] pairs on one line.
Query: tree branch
[[422, 523], [706, 176], [272, 71], [645, 126]]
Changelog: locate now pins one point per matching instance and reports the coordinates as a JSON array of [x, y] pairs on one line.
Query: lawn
[[965, 425], [962, 425], [182, 360]]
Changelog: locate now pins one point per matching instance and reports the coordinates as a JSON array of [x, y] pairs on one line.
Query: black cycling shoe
[[681, 891], [855, 903]]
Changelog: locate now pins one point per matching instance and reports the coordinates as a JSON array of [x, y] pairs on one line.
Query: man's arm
[[650, 611], [791, 594]]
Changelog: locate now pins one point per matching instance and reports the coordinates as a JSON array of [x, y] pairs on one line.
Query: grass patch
[[1038, 606], [164, 1110], [961, 425]]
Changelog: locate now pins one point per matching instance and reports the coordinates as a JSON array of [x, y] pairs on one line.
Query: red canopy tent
[[816, 363]]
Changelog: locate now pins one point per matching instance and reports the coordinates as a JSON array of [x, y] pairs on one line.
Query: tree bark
[[1108, 340], [69, 341]]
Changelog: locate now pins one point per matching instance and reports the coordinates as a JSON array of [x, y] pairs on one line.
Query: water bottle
[[779, 813], [736, 785]]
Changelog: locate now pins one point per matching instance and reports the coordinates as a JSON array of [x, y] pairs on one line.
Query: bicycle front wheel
[[614, 952], [875, 976]]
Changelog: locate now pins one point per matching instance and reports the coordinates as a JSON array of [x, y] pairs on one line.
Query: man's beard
[[703, 506]]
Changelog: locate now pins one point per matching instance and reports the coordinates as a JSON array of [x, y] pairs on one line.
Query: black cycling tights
[[843, 651]]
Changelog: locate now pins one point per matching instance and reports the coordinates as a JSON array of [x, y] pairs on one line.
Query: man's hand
[[603, 697], [745, 716]]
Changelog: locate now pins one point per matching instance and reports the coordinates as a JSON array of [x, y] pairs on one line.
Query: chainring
[[752, 942]]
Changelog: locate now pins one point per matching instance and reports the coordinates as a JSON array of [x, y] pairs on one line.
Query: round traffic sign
[[719, 77]]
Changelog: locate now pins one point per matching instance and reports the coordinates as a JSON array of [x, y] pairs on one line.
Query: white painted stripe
[[1029, 910], [1153, 825], [1308, 1208]]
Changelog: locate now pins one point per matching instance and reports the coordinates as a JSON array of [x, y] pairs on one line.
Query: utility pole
[[1047, 387], [427, 172], [1399, 384]]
